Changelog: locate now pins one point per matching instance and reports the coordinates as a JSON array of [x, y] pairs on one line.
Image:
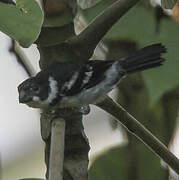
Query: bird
[[79, 84]]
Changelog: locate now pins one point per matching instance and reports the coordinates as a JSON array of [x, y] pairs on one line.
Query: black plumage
[[87, 80]]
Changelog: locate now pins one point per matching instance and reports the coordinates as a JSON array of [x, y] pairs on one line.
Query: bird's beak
[[23, 98]]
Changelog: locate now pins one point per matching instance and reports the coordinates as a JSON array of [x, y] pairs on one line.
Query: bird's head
[[35, 92]]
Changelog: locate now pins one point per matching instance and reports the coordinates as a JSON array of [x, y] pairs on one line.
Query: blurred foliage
[[141, 26], [158, 87], [22, 21], [168, 4], [113, 165], [8, 1]]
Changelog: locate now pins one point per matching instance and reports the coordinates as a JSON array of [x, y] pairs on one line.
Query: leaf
[[168, 4], [138, 25], [21, 22], [110, 165], [115, 163]]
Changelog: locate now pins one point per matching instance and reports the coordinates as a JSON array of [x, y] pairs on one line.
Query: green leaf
[[21, 22], [168, 4], [115, 163], [110, 165], [139, 25]]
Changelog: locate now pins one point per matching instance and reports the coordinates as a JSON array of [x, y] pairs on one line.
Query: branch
[[83, 45], [21, 58], [75, 163], [140, 132], [57, 149], [88, 39]]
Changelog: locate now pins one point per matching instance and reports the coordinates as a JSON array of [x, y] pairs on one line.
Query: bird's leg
[[62, 112], [66, 112]]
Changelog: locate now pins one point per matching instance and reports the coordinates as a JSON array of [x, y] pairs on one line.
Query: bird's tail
[[146, 58]]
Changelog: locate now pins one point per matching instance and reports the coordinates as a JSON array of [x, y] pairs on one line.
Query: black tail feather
[[146, 58]]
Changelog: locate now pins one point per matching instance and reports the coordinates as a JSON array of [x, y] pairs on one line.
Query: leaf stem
[[136, 128]]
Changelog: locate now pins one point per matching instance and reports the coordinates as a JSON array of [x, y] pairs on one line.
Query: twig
[[22, 58], [88, 39], [140, 132], [57, 149]]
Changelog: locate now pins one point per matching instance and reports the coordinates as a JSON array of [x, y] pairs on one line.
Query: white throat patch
[[53, 90]]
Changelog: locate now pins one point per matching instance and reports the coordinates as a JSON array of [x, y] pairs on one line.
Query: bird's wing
[[87, 76]]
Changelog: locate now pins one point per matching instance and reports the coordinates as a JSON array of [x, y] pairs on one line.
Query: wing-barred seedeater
[[82, 83]]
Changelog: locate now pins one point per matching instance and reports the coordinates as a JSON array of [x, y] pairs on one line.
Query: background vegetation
[[152, 97]]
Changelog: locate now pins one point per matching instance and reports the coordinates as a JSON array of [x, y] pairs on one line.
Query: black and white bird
[[82, 83]]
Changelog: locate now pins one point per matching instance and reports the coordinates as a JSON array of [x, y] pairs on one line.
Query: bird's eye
[[34, 88]]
